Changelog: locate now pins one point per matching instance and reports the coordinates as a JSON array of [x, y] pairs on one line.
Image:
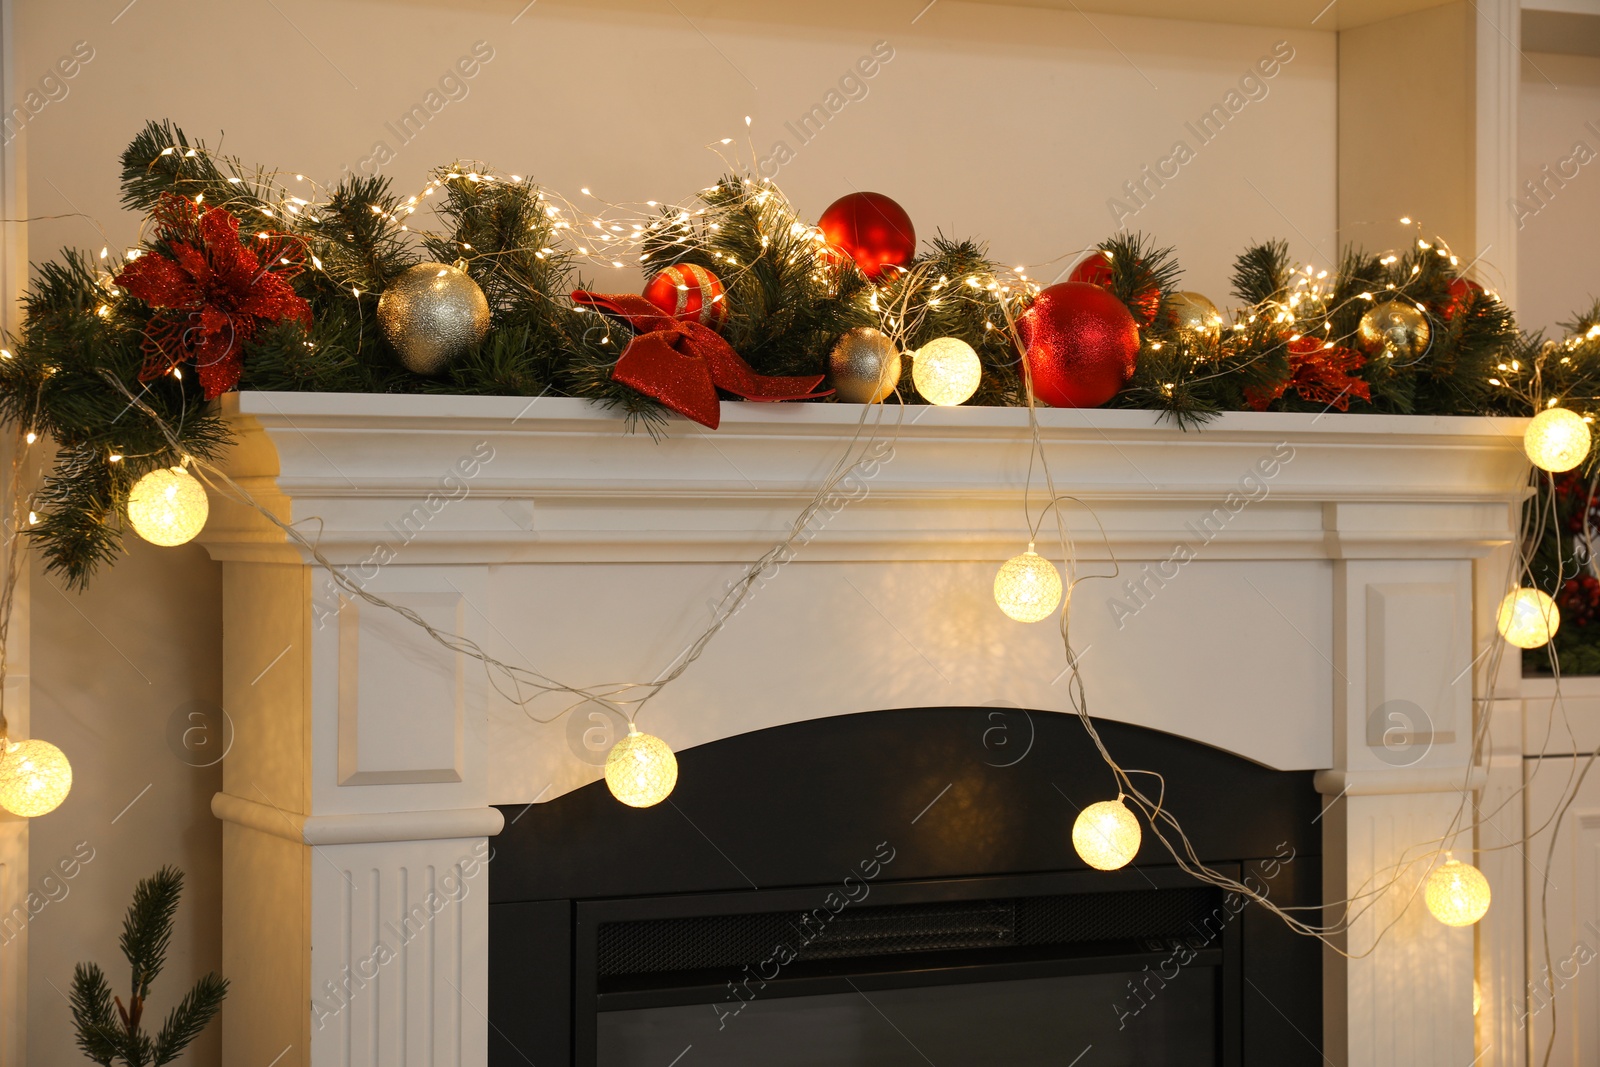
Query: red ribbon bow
[[682, 363]]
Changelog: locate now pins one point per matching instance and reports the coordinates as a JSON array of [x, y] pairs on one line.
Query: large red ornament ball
[[1096, 270], [1081, 345], [689, 292], [874, 229]]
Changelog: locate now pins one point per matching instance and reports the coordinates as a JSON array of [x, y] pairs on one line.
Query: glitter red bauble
[[1096, 270], [1462, 291], [1081, 345], [874, 229], [689, 292]]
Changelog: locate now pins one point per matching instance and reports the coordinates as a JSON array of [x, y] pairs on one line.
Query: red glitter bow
[[682, 363], [1320, 375], [210, 292]]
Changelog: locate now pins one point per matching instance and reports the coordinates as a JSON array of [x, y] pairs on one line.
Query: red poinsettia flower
[[210, 292], [1319, 374]]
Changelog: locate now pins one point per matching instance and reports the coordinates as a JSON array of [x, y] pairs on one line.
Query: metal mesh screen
[[653, 946]]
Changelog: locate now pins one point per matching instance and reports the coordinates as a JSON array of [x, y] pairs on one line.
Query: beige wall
[[1018, 125], [1559, 247], [111, 668]]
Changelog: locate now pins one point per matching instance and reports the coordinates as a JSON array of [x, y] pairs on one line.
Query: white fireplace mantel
[[1297, 575]]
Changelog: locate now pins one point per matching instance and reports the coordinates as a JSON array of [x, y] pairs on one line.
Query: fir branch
[[186, 1021], [97, 1035], [1261, 273]]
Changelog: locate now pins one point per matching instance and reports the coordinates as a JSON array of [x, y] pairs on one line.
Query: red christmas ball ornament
[[873, 229], [1081, 345], [689, 292], [1462, 292], [1095, 269]]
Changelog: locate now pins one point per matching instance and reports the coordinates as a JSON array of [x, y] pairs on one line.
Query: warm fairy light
[[168, 507], [1028, 587], [1528, 618], [946, 371], [31, 437], [641, 769], [35, 777], [1556, 440], [1107, 835], [1457, 893]]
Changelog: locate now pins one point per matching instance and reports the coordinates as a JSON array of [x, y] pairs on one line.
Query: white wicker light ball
[[168, 507], [1556, 440], [946, 371], [1028, 587], [1107, 835], [1528, 618], [641, 770], [35, 777], [1457, 893]]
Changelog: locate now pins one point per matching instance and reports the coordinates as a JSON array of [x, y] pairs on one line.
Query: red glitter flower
[[1320, 375], [210, 292]]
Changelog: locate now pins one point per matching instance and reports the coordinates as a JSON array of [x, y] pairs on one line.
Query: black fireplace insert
[[900, 887]]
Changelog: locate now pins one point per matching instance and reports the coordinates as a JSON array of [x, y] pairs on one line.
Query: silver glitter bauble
[[432, 314], [1192, 315], [1398, 329], [864, 366]]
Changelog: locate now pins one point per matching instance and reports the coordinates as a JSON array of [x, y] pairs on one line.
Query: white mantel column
[[1402, 736], [355, 908]]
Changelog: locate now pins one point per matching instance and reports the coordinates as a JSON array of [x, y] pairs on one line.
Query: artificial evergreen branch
[[108, 1038]]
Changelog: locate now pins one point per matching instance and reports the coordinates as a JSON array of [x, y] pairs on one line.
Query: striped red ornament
[[689, 292]]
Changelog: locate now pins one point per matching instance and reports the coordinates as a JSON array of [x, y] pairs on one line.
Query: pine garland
[[788, 298]]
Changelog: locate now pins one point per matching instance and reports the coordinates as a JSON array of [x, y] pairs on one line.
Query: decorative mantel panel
[[1296, 589]]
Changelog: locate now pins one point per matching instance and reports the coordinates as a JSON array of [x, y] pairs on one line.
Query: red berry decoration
[[1081, 345], [1462, 292], [689, 292], [874, 229], [1096, 270]]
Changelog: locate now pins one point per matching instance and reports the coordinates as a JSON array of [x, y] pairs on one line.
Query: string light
[[1028, 587], [35, 777], [1556, 440], [1528, 618], [946, 371], [168, 507], [1457, 893], [641, 769], [1107, 835]]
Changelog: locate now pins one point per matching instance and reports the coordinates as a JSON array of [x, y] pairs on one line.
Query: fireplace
[[372, 772], [889, 887]]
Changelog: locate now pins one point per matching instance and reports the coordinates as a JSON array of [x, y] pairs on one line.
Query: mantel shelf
[[568, 482]]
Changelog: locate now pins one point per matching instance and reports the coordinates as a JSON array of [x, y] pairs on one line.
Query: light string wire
[[1367, 894], [1154, 809], [856, 455]]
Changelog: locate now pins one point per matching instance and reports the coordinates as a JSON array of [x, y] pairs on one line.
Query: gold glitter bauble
[[1192, 315], [431, 315], [864, 366], [1399, 329]]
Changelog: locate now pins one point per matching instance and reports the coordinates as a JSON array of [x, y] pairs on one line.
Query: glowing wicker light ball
[[641, 770], [168, 507], [1457, 893], [35, 777], [1107, 835], [1028, 587], [1556, 440], [1528, 618], [946, 371]]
